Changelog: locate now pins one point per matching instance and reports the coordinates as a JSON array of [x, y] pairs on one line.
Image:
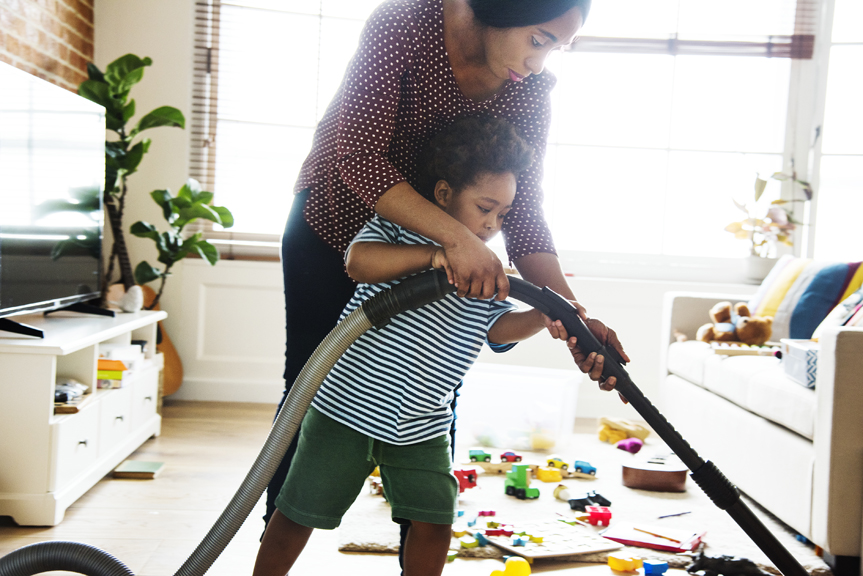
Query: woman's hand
[[476, 269], [592, 364]]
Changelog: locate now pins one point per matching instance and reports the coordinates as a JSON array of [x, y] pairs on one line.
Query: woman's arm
[[476, 270], [373, 262]]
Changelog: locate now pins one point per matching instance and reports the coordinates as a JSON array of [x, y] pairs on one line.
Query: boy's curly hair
[[468, 148]]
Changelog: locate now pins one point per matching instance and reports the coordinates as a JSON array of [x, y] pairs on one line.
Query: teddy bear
[[735, 324]]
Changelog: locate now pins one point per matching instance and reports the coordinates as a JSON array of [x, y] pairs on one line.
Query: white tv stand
[[47, 460]]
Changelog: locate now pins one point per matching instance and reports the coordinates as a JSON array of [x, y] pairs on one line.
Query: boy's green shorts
[[333, 462]]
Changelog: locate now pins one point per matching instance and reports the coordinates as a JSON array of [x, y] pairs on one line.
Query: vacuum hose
[[376, 312]]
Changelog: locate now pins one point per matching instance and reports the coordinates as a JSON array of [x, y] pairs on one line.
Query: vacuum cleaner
[[376, 312]]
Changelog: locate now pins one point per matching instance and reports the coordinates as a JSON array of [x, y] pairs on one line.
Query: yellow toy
[[631, 429], [468, 542], [624, 563], [610, 435], [514, 566], [546, 474]]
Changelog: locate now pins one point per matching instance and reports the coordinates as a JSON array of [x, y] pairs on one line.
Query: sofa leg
[[843, 565]]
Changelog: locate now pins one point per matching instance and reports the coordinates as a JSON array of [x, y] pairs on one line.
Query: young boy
[[387, 401]]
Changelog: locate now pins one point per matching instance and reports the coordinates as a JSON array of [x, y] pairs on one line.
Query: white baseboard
[[212, 390]]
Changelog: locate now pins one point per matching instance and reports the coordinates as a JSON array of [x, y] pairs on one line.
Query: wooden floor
[[207, 448]]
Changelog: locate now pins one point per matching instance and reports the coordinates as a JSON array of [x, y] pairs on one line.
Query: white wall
[[227, 322]]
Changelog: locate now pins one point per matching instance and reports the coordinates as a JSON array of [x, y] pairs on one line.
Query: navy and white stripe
[[396, 384]]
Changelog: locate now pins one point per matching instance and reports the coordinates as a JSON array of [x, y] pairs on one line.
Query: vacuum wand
[[718, 488]]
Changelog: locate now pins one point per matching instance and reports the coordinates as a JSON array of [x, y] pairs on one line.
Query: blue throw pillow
[[817, 301]]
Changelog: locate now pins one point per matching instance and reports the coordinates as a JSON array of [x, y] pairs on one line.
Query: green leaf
[[128, 111], [100, 93], [145, 273], [188, 245], [135, 155], [125, 72], [196, 211], [208, 252], [143, 229], [164, 199], [191, 189], [163, 116], [204, 197], [227, 219], [93, 73]]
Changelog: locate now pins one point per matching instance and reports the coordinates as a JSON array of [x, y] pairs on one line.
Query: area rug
[[368, 528]]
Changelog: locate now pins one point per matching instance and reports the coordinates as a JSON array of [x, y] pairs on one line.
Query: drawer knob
[[120, 418], [84, 442], [150, 398]]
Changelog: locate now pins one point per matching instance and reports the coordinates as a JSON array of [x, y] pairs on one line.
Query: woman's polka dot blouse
[[398, 91]]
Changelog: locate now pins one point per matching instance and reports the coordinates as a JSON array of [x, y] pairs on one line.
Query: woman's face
[[481, 206], [515, 53]]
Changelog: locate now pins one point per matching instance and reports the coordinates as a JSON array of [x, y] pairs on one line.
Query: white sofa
[[798, 452]]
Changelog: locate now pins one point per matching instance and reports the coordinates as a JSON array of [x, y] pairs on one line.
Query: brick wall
[[51, 39]]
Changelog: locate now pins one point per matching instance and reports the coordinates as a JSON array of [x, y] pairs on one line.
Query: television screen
[[52, 170]]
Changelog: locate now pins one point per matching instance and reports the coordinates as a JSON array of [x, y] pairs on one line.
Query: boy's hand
[[556, 329], [439, 261]]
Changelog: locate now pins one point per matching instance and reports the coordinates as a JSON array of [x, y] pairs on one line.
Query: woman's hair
[[468, 148], [518, 13]]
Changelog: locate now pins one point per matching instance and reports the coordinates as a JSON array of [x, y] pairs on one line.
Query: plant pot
[[757, 268]]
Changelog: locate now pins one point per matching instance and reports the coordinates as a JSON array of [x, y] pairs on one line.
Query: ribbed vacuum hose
[[68, 556], [286, 425]]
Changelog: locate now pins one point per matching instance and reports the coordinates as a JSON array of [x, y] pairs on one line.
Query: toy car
[[517, 483], [510, 456], [466, 479], [479, 455], [555, 462], [583, 467]]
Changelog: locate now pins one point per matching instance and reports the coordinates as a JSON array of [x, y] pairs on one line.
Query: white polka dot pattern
[[398, 91]]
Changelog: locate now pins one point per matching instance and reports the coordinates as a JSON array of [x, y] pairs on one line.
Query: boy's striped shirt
[[396, 384]]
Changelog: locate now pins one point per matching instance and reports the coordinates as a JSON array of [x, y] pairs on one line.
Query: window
[[840, 170], [664, 112]]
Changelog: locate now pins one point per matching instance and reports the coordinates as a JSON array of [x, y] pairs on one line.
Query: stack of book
[[111, 373]]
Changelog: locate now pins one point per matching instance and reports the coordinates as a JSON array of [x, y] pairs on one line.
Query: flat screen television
[[52, 171]]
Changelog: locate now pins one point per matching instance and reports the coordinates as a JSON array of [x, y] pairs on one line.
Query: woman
[[421, 64]]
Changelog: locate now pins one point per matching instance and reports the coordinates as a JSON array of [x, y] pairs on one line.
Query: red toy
[[486, 513], [466, 478], [598, 515], [510, 456]]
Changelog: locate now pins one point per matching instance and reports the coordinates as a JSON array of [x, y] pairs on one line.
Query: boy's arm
[[518, 326], [373, 262]]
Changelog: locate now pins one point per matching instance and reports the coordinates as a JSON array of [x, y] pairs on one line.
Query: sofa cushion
[[756, 383], [771, 394], [686, 359], [730, 376]]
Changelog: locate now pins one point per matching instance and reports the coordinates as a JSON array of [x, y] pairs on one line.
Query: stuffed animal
[[735, 324]]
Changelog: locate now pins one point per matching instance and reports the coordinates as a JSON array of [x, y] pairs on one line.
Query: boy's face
[[482, 206]]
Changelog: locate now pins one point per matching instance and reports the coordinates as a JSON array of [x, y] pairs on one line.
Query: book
[[106, 364], [138, 469], [655, 537], [110, 374]]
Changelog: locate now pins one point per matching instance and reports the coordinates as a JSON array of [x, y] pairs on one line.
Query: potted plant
[[767, 226], [124, 149]]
